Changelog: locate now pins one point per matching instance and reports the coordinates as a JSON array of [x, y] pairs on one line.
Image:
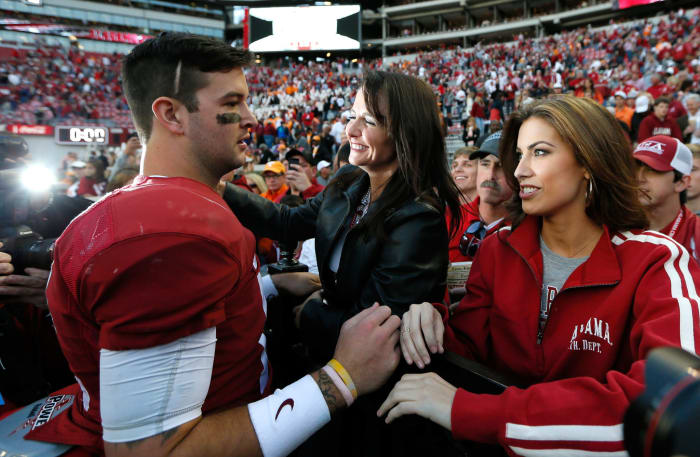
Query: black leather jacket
[[410, 267]]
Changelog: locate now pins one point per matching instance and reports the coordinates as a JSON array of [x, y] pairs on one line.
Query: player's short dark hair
[[149, 71]]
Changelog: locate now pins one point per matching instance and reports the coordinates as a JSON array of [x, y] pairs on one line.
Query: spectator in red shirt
[[464, 172], [269, 132], [301, 176], [659, 123], [307, 118], [665, 166], [657, 88], [93, 182], [478, 112]]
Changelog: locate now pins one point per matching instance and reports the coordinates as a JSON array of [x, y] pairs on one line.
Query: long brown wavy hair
[[413, 123], [599, 145]]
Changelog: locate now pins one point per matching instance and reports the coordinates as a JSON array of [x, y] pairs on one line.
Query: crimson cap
[[664, 153]]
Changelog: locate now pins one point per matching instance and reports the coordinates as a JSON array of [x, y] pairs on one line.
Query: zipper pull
[[540, 334]]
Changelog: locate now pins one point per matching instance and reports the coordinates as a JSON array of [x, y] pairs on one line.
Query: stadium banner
[[73, 31], [117, 37], [26, 129]]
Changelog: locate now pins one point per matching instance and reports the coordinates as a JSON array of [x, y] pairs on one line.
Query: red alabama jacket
[[634, 293]]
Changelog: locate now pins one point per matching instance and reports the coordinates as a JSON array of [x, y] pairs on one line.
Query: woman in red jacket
[[569, 301], [93, 182]]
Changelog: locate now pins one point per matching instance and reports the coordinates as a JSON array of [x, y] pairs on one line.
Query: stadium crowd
[[645, 60], [574, 145]]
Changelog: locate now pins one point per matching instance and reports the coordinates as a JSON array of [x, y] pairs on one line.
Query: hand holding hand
[[421, 325], [425, 394], [367, 347]]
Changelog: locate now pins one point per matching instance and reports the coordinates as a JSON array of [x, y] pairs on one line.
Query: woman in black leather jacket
[[379, 225]]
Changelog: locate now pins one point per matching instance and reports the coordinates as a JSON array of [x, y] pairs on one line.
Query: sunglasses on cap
[[471, 238]]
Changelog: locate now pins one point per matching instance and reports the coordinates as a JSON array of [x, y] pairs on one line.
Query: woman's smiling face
[[371, 147]]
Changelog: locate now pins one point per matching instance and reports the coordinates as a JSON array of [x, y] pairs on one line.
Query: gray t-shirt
[[556, 270]]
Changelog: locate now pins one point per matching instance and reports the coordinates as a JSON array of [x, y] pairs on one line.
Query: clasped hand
[[425, 394]]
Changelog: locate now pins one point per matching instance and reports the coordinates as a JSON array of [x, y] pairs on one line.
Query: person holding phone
[[301, 174]]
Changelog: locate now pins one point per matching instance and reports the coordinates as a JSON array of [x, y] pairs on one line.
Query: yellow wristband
[[344, 375]]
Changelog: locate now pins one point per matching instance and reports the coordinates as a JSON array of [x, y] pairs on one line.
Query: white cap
[[642, 104], [620, 93], [78, 164], [633, 94], [322, 164]]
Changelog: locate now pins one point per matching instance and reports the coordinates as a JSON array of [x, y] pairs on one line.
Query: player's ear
[[169, 113]]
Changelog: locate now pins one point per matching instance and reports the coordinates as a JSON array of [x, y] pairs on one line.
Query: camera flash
[[37, 178]]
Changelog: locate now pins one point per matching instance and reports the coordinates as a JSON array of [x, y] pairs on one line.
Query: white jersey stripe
[[564, 432], [566, 453], [685, 306]]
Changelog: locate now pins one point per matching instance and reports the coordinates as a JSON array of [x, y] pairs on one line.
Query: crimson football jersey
[[153, 262]]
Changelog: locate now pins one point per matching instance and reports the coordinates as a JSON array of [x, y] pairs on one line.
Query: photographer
[[30, 219]]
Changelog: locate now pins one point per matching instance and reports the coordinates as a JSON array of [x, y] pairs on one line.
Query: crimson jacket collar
[[601, 268]]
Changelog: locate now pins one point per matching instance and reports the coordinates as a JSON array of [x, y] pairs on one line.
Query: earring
[[589, 191]]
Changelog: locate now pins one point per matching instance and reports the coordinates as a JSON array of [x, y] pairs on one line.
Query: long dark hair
[[99, 169], [599, 144], [413, 123]]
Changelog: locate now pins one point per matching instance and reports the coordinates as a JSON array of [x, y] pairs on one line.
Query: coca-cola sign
[[22, 129]]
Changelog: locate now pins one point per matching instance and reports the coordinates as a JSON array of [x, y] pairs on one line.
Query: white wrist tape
[[288, 417]]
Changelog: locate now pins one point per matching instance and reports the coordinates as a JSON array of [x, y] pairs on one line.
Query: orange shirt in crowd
[[275, 196], [625, 115]]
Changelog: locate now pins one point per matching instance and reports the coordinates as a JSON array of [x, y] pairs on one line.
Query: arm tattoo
[[328, 389]]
